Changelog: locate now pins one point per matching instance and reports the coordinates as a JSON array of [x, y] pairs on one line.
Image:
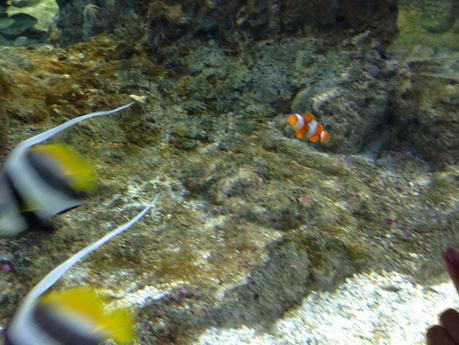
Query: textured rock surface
[[431, 23], [165, 21], [439, 16], [426, 106], [426, 101], [352, 96], [45, 12], [5, 93]]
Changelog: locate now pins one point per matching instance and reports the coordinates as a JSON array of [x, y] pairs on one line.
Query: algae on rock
[[432, 23]]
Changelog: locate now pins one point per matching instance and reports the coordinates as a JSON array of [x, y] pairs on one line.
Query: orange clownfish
[[306, 126]]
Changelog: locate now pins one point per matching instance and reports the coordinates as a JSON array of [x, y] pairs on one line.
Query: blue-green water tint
[[254, 225]]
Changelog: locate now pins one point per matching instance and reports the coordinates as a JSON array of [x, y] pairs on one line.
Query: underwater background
[[258, 237]]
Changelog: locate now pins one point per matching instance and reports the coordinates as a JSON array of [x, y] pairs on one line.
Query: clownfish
[[306, 126], [73, 317], [41, 181]]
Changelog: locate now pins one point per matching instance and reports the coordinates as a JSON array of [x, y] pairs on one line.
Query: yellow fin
[[120, 326], [81, 172], [85, 302], [82, 300]]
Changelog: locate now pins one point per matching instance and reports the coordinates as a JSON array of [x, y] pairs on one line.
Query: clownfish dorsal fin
[[23, 314], [308, 117], [24, 145]]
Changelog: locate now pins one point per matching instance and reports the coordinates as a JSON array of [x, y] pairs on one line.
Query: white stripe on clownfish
[[312, 128], [300, 122]]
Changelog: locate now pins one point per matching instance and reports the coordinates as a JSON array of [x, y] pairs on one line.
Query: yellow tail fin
[[120, 326], [85, 302]]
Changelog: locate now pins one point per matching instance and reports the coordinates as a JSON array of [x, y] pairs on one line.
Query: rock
[[282, 281], [251, 220], [22, 23], [425, 108], [3, 7], [23, 3], [439, 15], [5, 22], [5, 93], [455, 27], [355, 313], [431, 23], [44, 11], [233, 22], [314, 14], [351, 97], [4, 120]]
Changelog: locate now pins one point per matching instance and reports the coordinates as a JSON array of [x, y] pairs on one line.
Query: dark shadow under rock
[[297, 265]]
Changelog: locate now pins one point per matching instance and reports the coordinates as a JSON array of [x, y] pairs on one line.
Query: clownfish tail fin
[[324, 137]]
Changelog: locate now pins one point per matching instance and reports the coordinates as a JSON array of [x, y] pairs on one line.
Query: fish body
[[40, 181], [306, 126], [73, 317], [53, 179]]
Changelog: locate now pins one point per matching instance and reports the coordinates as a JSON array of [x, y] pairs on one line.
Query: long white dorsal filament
[[23, 314], [24, 145], [53, 276]]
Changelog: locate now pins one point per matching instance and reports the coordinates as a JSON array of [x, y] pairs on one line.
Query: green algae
[[412, 28]]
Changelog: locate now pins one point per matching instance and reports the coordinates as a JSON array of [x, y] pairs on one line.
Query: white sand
[[365, 309]]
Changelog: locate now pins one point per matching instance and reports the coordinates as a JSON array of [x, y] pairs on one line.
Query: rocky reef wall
[[426, 100], [231, 21]]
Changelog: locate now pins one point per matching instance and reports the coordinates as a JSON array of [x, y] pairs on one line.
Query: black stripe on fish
[[33, 220], [60, 330], [51, 325], [7, 340], [46, 169]]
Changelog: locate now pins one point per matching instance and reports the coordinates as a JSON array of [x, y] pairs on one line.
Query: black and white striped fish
[[33, 184], [73, 317]]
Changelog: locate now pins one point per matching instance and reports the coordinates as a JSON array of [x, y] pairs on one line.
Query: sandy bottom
[[366, 309]]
